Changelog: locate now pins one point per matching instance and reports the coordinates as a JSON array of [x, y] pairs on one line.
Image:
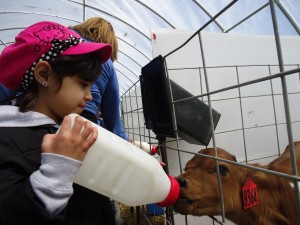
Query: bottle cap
[[153, 150], [173, 194]]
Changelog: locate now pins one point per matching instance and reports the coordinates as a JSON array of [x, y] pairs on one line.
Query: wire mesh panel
[[253, 82], [268, 125]]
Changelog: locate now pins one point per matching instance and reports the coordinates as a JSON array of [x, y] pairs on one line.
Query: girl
[[53, 69]]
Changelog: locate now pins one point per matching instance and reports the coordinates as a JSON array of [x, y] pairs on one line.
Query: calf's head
[[200, 193]]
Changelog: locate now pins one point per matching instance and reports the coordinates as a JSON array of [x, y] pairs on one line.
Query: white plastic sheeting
[[133, 19]]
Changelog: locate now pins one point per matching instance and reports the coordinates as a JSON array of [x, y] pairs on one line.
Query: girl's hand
[[71, 142]]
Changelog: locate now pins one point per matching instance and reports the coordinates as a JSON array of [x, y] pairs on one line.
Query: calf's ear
[[234, 159]]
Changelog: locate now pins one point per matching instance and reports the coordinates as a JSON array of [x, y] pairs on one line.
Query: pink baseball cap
[[43, 41]]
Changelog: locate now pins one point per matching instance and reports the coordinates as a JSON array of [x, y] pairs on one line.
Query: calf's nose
[[182, 182]]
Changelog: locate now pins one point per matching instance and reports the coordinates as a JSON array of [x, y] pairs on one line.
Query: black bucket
[[192, 116]]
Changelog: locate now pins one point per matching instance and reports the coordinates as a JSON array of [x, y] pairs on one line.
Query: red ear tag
[[249, 194]]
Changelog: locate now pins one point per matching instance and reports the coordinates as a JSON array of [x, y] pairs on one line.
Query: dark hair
[[87, 67]]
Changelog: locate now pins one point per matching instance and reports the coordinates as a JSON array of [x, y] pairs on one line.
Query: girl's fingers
[[87, 129], [78, 125], [71, 141], [92, 137], [66, 124]]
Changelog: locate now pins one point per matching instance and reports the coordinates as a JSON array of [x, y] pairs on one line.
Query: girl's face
[[71, 98]]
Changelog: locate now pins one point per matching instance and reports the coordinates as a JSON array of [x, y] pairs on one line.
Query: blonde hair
[[98, 29]]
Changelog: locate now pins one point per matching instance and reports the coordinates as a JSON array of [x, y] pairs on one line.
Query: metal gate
[[281, 101]]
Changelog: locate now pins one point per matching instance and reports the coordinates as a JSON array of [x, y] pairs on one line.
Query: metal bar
[[242, 119], [286, 106], [243, 84], [212, 126], [160, 16], [287, 15], [247, 17], [200, 29], [284, 175], [208, 14]]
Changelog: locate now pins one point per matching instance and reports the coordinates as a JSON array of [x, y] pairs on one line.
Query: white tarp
[[133, 20]]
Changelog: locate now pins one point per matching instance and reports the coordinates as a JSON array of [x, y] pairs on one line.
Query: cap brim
[[103, 49]]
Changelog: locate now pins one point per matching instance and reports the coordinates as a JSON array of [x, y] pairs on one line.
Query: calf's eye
[[223, 170]]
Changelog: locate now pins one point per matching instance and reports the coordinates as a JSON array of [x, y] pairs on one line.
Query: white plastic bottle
[[118, 169], [150, 149]]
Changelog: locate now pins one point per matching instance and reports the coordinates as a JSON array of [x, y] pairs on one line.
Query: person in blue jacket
[[105, 90]]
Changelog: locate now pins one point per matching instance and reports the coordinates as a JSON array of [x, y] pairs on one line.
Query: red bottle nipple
[[173, 194]]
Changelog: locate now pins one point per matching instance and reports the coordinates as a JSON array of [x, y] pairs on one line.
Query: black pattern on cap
[[58, 46]]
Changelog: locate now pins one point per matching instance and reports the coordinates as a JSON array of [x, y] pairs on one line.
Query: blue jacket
[[4, 93], [105, 92]]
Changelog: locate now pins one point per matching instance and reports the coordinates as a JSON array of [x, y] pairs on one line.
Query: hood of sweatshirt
[[10, 116]]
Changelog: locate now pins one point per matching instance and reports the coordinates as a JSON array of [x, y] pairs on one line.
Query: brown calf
[[275, 197]]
